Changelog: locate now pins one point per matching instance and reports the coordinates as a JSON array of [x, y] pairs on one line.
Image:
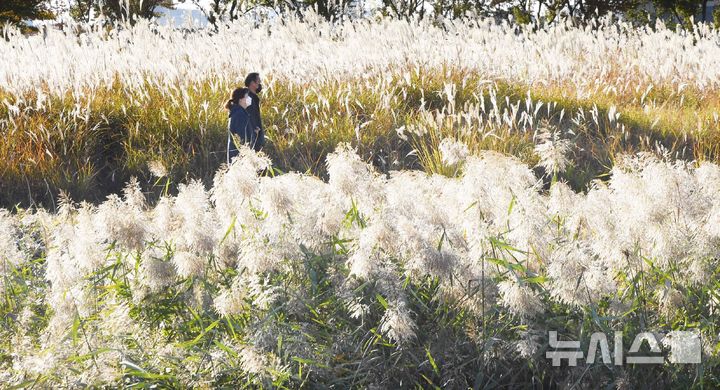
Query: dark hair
[[237, 94], [251, 77]]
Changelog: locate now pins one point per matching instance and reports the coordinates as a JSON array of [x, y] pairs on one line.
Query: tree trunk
[[233, 10], [539, 11]]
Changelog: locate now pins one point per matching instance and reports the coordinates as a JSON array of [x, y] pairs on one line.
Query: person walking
[[253, 84], [239, 123]]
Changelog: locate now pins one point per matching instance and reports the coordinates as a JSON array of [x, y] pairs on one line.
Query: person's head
[[240, 98], [252, 82]]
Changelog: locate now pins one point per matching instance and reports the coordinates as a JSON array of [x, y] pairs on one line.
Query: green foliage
[[117, 10], [521, 16], [16, 12], [682, 12]]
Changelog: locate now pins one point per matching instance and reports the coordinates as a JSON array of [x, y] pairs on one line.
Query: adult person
[[252, 82], [239, 122]]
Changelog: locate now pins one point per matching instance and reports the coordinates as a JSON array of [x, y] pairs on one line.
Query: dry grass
[[88, 145]]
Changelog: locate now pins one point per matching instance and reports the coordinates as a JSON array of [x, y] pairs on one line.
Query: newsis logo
[[684, 348]]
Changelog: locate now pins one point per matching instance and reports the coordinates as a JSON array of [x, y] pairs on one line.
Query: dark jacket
[[240, 124], [253, 111]]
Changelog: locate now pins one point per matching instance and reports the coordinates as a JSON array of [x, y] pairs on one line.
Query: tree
[[682, 11], [85, 10], [16, 12], [329, 9], [217, 11], [81, 10], [406, 9], [128, 9], [584, 10], [677, 12]]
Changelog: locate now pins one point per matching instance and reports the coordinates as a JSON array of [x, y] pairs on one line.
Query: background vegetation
[[641, 12], [125, 129]]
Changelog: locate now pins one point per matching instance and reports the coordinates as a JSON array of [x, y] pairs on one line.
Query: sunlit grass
[[91, 144]]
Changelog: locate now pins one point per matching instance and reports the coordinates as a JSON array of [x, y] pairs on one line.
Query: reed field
[[84, 112], [434, 198]]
